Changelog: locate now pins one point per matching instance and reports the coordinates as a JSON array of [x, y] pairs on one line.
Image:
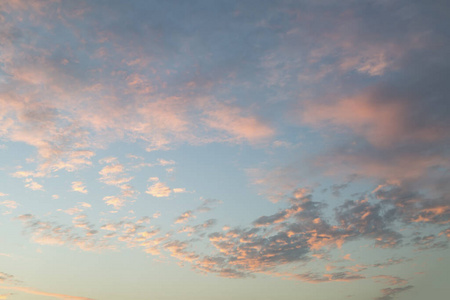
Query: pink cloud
[[33, 291], [380, 123], [238, 124]]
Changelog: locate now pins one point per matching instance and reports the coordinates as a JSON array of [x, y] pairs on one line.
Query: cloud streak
[[32, 291]]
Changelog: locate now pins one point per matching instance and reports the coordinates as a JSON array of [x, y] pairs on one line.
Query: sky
[[213, 149]]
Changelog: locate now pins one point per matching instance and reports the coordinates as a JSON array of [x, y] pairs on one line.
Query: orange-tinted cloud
[[33, 291], [78, 186], [159, 190], [185, 217]]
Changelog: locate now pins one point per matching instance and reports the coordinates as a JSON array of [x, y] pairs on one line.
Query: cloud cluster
[[302, 232], [287, 244], [113, 174], [50, 233]]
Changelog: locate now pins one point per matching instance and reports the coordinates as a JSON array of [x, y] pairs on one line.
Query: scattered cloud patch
[[159, 190], [78, 186]]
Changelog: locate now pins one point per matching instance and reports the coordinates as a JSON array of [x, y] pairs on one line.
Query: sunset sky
[[223, 149]]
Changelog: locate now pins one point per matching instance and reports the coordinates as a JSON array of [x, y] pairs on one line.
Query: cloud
[[185, 217], [164, 162], [278, 217], [115, 201], [379, 123], [302, 233], [389, 293], [159, 190], [4, 277], [316, 278], [78, 186], [76, 209], [370, 86], [208, 205], [197, 229], [231, 120], [33, 185], [178, 249], [51, 233], [114, 174], [383, 115], [10, 206], [391, 280], [111, 169], [33, 291]]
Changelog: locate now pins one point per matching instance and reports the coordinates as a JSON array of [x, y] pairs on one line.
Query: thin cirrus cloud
[[297, 141], [32, 291]]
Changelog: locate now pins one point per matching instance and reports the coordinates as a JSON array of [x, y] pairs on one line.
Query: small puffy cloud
[[10, 205], [78, 186], [33, 185], [22, 174], [158, 190], [164, 162], [114, 175], [132, 156], [198, 229], [184, 217], [179, 190], [108, 160], [281, 144], [115, 201], [76, 209], [347, 257], [111, 169]]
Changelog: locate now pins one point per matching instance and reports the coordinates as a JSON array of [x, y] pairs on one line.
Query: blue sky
[[224, 149]]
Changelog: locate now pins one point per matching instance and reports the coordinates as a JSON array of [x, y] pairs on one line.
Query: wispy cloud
[[33, 291], [184, 217], [10, 205]]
